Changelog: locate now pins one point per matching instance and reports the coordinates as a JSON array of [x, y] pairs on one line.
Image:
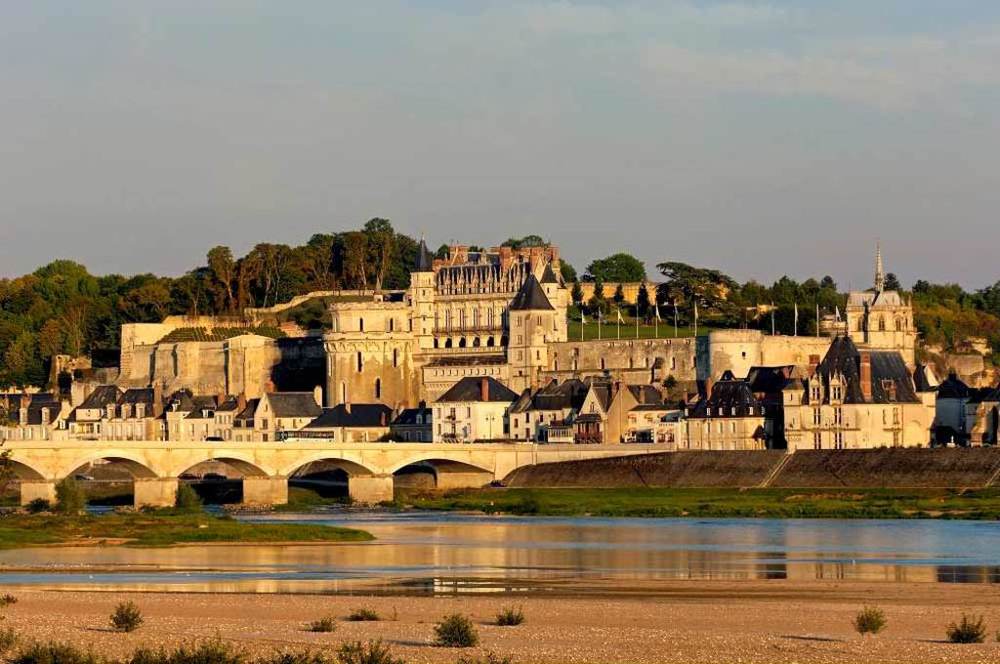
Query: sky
[[762, 137]]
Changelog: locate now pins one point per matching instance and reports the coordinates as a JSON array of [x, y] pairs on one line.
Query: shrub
[[70, 498], [372, 652], [7, 599], [187, 499], [871, 620], [510, 616], [8, 638], [126, 617], [970, 630], [489, 658], [54, 653], [327, 624], [209, 652], [38, 505], [364, 614], [295, 658], [456, 631]]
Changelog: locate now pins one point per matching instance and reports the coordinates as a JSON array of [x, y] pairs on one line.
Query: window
[[838, 416], [838, 440], [817, 440], [817, 416], [360, 362], [838, 392], [392, 324], [378, 388], [361, 325], [395, 357]]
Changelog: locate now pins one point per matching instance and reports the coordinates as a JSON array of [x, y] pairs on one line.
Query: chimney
[[318, 395], [813, 364], [347, 407], [157, 399], [241, 401], [484, 389], [709, 384], [866, 375], [381, 419], [23, 415]]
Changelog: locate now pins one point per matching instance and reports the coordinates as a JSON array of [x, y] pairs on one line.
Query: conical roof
[[425, 260], [531, 297], [549, 275]]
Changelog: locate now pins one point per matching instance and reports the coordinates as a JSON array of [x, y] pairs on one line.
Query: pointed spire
[[879, 271], [425, 261]]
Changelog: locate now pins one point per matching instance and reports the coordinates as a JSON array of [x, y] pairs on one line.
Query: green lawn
[[159, 528], [663, 502]]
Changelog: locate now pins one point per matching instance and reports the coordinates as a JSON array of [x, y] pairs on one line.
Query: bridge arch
[[137, 467], [23, 471], [455, 462], [246, 465], [349, 466]]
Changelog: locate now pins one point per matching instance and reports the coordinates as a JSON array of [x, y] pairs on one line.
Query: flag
[[656, 310], [619, 312], [796, 319], [836, 310], [583, 318]]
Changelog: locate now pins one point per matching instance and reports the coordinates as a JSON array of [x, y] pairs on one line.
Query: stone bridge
[[266, 467]]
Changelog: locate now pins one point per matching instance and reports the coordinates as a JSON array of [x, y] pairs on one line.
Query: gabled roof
[[953, 388], [567, 395], [531, 297], [294, 404], [646, 394], [137, 395], [470, 388], [891, 381], [729, 398], [101, 397], [35, 403], [769, 380], [408, 417], [247, 413], [356, 415]]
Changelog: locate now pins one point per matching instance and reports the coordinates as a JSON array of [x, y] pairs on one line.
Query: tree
[[892, 282], [526, 241], [619, 295], [568, 272], [356, 259], [597, 300], [686, 284], [50, 339], [576, 293], [619, 267], [220, 262], [642, 303]]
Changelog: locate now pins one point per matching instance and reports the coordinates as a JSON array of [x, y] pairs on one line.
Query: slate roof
[[549, 275], [408, 417], [469, 389], [727, 394], [874, 299], [953, 388], [294, 404], [247, 413], [137, 395], [425, 260], [569, 394], [101, 397], [531, 297], [467, 360], [984, 394], [35, 403], [770, 380], [646, 394], [359, 415], [891, 381]]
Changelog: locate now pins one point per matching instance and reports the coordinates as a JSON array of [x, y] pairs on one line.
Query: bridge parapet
[[265, 467]]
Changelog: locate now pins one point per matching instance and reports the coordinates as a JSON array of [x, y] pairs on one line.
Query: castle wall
[[634, 359], [739, 350]]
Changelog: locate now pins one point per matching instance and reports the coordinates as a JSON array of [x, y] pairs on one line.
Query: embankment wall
[[888, 468]]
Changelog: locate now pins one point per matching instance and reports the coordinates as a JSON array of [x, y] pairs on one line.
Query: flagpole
[[637, 321], [817, 319], [674, 301], [696, 319], [772, 319]]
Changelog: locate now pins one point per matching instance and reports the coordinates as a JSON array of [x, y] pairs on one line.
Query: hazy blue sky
[[760, 137]]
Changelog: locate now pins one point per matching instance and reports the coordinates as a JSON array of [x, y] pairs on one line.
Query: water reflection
[[444, 554]]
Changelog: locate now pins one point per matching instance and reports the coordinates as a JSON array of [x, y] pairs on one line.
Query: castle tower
[[879, 271], [533, 323], [880, 319], [421, 296]]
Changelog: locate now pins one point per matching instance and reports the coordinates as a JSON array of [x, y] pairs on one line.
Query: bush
[[372, 652], [295, 658], [187, 499], [54, 653], [364, 614], [510, 616], [490, 658], [209, 652], [456, 631], [970, 630], [126, 617], [38, 505], [8, 638], [70, 498], [326, 625], [7, 599], [871, 620]]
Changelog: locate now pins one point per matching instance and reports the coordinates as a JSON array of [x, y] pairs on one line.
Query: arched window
[[395, 357], [881, 324], [461, 342], [899, 325], [447, 343], [489, 341], [361, 364], [378, 388], [475, 342], [602, 364], [392, 324]]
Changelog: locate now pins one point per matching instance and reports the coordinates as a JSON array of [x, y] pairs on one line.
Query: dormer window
[[140, 410], [110, 410]]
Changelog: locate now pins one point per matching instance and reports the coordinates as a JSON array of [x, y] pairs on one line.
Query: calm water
[[422, 553]]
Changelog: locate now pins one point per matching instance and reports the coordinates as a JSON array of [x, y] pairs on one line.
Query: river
[[434, 553]]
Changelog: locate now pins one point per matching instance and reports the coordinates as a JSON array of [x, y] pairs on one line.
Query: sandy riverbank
[[728, 622]]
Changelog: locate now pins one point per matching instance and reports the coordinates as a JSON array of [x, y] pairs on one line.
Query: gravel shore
[[705, 622]]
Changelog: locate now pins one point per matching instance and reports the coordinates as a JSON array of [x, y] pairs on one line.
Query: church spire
[[879, 271]]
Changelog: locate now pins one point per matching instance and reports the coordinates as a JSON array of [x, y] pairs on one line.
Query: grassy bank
[[162, 528], [763, 503]]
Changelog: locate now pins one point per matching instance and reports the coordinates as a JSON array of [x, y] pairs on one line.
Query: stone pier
[[159, 492], [35, 489], [265, 490], [461, 480], [370, 489]]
